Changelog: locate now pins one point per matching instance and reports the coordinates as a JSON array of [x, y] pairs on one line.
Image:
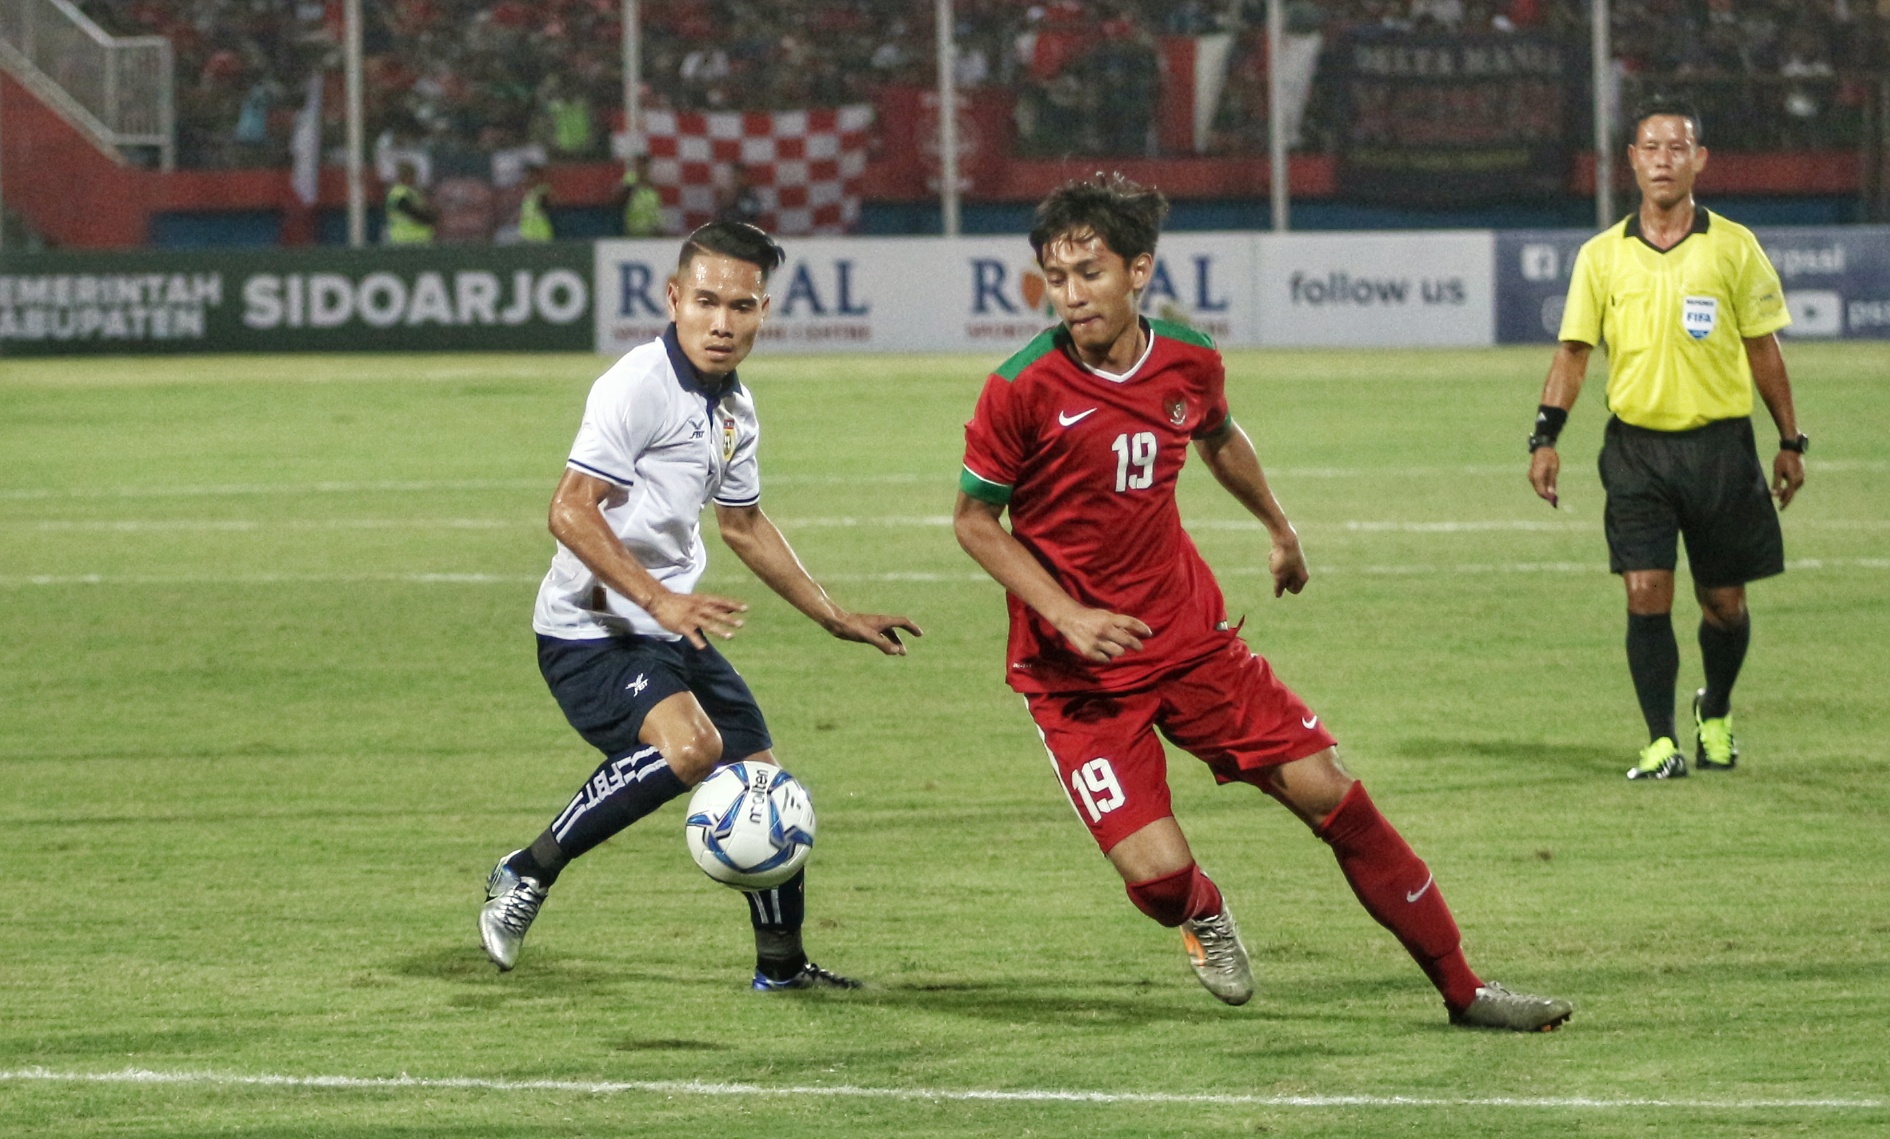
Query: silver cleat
[[512, 902], [1497, 1007], [1218, 957]]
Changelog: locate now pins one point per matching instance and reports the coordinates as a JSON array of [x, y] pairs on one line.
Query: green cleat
[[1497, 1007], [1717, 748], [1659, 760]]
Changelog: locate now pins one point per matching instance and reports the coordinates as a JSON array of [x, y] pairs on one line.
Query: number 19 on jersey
[[1135, 460]]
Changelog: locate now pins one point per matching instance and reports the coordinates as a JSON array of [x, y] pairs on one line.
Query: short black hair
[[1662, 103], [735, 239], [1125, 214]]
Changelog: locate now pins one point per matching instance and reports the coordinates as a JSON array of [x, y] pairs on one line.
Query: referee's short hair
[[735, 239], [1125, 214], [1661, 103]]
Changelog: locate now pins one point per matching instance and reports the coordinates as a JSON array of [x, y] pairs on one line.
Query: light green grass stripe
[[847, 1091]]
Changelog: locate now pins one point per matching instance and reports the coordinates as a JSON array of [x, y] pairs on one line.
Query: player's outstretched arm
[[1236, 466], [1096, 634], [577, 520], [764, 549], [1775, 388], [1566, 372]]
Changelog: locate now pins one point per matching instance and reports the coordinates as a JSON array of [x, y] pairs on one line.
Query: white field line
[[962, 577], [847, 1091], [836, 522], [945, 477]]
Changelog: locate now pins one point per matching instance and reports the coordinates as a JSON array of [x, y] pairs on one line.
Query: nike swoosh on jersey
[[1309, 725], [1069, 420], [1421, 890]]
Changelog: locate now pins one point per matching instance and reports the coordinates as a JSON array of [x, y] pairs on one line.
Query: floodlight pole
[[1602, 63], [633, 78], [1279, 187], [947, 38], [357, 132]]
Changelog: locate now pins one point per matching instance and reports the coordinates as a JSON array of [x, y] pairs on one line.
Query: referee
[[1689, 307]]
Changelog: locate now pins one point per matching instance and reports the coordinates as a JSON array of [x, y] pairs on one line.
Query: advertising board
[[446, 298], [1411, 289], [1837, 280], [980, 294]]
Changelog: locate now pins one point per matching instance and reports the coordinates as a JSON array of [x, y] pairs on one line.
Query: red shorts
[[1229, 711]]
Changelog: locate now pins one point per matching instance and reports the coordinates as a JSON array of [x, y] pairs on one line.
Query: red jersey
[[1087, 463]]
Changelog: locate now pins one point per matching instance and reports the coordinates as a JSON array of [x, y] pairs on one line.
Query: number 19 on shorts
[[1096, 788]]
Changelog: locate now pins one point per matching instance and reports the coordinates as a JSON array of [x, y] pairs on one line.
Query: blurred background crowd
[[486, 76]]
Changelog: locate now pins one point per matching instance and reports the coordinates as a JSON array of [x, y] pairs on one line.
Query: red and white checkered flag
[[804, 165]]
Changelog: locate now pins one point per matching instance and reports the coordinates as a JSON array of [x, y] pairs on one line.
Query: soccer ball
[[750, 825]]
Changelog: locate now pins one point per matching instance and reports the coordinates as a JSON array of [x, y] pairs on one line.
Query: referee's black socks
[[1653, 659], [1722, 651]]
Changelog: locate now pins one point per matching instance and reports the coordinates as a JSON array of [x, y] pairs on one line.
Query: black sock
[[1722, 651], [777, 915], [1653, 659], [624, 789], [542, 860]]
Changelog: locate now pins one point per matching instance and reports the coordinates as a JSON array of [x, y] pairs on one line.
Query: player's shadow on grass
[[1036, 1001], [550, 976]]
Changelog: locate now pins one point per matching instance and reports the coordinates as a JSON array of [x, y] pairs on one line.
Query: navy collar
[[1700, 223], [692, 380]]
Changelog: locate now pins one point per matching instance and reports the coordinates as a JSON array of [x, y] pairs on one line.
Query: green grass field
[[269, 711]]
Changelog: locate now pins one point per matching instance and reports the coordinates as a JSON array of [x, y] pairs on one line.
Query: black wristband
[[1549, 423]]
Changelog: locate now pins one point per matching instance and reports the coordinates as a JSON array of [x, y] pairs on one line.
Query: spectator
[[639, 201], [409, 219]]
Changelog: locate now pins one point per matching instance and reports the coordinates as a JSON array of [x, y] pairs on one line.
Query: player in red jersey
[[1118, 628]]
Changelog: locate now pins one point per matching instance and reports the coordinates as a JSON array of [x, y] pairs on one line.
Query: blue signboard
[[1837, 280]]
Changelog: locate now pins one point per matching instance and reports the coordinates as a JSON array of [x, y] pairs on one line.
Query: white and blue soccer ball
[[750, 825]]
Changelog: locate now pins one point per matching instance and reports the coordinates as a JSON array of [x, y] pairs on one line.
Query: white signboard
[[926, 294], [1376, 289]]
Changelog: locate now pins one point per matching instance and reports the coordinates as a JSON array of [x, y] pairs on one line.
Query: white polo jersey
[[670, 445]]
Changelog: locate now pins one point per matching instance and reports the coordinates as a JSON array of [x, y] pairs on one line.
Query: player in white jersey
[[623, 637]]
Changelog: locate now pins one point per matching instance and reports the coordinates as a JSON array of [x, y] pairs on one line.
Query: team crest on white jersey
[[1698, 315], [728, 438]]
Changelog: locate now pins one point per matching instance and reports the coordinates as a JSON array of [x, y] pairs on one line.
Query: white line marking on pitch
[[945, 477], [695, 1087], [837, 522], [973, 577]]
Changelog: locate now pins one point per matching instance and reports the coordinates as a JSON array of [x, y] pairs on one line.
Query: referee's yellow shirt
[[1675, 322]]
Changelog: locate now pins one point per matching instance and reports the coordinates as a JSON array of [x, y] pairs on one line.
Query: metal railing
[[119, 89]]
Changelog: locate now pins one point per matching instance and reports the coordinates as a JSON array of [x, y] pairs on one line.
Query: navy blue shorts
[[1705, 485], [606, 688]]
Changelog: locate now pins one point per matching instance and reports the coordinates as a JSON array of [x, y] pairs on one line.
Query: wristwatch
[[1541, 441], [1798, 444]]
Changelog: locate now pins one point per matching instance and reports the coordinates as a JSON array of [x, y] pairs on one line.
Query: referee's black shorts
[[1706, 485]]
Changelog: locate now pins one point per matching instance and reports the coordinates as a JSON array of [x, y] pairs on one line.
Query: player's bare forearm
[[1564, 384], [1230, 454], [576, 520], [1096, 634], [1775, 389], [754, 538]]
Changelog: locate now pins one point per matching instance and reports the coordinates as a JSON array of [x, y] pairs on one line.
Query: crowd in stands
[[488, 75]]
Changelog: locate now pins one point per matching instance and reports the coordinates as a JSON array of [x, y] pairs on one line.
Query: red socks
[[1396, 888], [1174, 898]]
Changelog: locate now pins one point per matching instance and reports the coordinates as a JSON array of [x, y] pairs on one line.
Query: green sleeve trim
[[984, 490], [1181, 332], [1029, 354]]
